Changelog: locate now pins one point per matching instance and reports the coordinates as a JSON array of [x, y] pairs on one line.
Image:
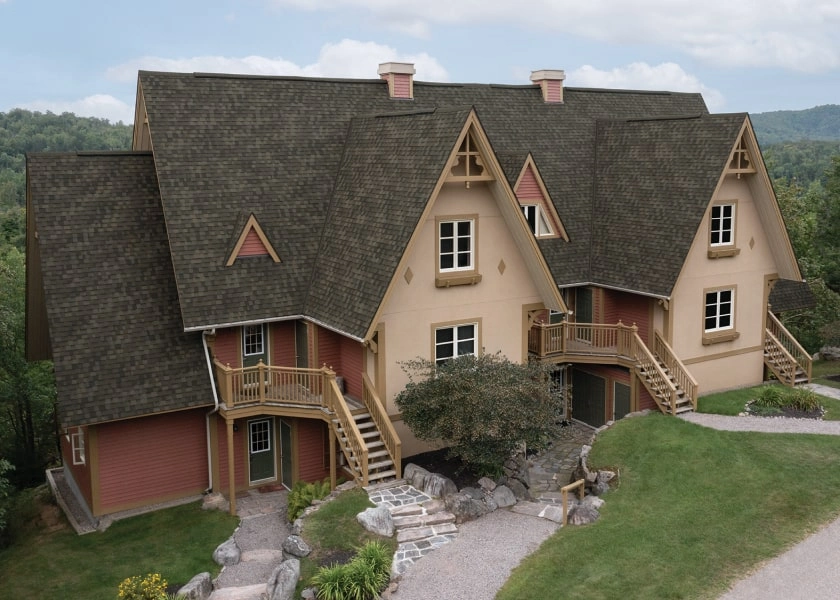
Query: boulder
[[308, 593], [581, 514], [474, 493], [415, 475], [464, 507], [830, 353], [487, 484], [295, 546], [297, 526], [504, 496], [228, 553], [519, 490], [281, 585], [198, 588], [377, 520], [593, 501], [438, 486]]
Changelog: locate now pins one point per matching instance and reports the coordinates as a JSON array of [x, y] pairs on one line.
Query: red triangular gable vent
[[252, 242]]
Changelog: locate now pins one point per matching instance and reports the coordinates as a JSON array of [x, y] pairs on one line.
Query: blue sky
[[751, 55]]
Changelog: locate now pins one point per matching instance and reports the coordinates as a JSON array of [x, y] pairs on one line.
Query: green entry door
[[261, 461], [621, 400], [286, 454], [589, 399]]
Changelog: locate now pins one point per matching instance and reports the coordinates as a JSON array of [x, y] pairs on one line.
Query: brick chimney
[[400, 78], [551, 83]]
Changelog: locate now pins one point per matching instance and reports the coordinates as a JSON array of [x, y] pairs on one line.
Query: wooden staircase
[[665, 377], [783, 355], [370, 445]]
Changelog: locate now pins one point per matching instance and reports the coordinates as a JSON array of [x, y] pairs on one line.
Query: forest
[[802, 150]]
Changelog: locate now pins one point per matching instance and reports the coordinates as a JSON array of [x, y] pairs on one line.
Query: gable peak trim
[[251, 228]]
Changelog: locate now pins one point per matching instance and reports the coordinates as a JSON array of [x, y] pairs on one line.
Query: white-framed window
[[456, 245], [535, 216], [77, 446], [260, 436], [253, 340], [719, 310], [456, 340], [722, 228]]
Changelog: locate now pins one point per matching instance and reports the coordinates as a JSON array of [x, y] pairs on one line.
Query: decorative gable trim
[[252, 242], [530, 189]]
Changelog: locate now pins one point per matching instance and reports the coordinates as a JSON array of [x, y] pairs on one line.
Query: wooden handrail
[[681, 376], [358, 453], [786, 369], [380, 417], [263, 383], [580, 338], [564, 494], [789, 343], [647, 361]]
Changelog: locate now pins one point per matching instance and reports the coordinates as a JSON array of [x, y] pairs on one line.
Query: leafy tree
[[482, 407]]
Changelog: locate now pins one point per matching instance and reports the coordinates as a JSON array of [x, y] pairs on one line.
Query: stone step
[[414, 534], [384, 485], [245, 592], [407, 510], [422, 520], [552, 512]]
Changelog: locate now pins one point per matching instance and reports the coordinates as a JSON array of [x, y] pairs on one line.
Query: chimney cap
[[396, 67], [548, 74]]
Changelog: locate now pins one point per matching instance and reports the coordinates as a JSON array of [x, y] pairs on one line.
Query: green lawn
[[177, 543], [695, 509], [822, 368]]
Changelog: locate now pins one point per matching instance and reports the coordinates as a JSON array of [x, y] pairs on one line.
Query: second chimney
[[400, 78], [551, 83]]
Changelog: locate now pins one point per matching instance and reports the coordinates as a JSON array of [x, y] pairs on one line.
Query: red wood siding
[[628, 308], [310, 450], [402, 85], [352, 357], [227, 347], [252, 246], [553, 91], [329, 350], [240, 453], [528, 188], [146, 460], [282, 339], [645, 399], [80, 473]]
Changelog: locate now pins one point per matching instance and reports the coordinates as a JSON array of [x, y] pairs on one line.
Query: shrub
[[803, 399], [360, 579], [303, 494], [770, 396], [150, 587]]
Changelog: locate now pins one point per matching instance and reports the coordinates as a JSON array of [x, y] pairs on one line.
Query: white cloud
[[642, 76], [347, 58], [102, 106], [799, 35]]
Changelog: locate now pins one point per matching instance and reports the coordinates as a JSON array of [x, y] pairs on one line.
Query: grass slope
[[695, 510], [177, 543]]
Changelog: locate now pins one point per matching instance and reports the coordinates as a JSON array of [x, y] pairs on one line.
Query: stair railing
[[682, 378], [780, 361], [380, 417], [354, 449], [654, 377], [790, 345]]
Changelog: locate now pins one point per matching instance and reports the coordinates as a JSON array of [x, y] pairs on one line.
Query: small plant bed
[[335, 536], [776, 401], [440, 461]]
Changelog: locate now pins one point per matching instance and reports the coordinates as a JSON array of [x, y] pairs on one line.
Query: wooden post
[[564, 492], [231, 473], [333, 480]]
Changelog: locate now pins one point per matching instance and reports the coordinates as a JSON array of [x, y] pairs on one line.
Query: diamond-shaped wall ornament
[[502, 266], [409, 275], [752, 243]]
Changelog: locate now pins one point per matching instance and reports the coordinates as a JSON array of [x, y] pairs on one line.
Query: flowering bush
[[150, 587]]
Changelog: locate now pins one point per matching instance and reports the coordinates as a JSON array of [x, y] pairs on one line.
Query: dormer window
[[537, 220]]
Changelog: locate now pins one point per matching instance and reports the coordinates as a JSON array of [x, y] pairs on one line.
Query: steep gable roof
[[654, 179], [110, 293]]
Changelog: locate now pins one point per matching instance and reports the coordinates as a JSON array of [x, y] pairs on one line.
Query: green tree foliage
[[482, 407], [804, 162], [818, 123]]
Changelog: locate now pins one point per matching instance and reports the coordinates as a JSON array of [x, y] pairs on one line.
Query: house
[[227, 305]]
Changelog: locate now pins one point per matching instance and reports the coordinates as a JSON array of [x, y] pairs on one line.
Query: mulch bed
[[437, 462], [790, 413], [833, 377]]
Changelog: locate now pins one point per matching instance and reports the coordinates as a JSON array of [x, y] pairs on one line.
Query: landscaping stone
[[487, 484], [308, 593], [464, 507], [377, 520], [830, 353], [281, 585], [228, 553], [582, 514], [198, 588], [503, 496], [295, 546], [438, 486]]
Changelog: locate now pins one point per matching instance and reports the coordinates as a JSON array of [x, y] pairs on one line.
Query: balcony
[[584, 342]]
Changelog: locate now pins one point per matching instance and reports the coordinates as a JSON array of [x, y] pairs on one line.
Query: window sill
[[445, 281], [723, 252], [720, 337]]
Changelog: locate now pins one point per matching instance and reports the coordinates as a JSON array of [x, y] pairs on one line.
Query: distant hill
[[821, 123]]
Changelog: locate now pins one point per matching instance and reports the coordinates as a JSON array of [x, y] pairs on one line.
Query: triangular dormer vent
[[467, 164], [536, 204], [741, 161], [252, 242]]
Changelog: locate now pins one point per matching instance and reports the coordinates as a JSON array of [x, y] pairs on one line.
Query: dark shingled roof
[[279, 147], [791, 295], [111, 299], [654, 180]]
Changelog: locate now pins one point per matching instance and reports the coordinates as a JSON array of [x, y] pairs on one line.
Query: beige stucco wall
[[737, 362], [496, 302]]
